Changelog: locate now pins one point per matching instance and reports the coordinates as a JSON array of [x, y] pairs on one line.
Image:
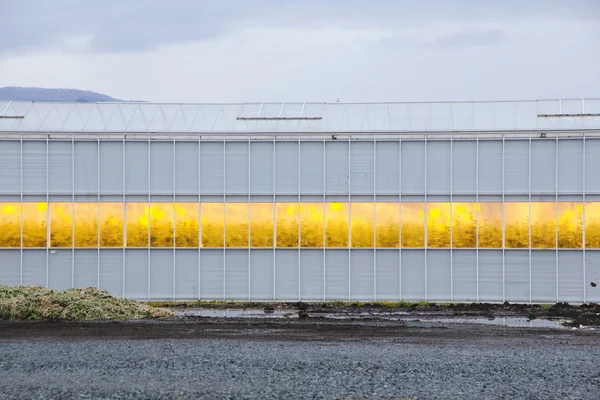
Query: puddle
[[518, 322], [249, 313]]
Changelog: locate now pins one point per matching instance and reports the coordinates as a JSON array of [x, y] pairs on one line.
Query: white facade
[[509, 162]]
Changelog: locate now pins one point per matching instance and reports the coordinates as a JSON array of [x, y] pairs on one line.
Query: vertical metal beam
[[48, 220], [349, 217], [249, 220], [556, 166], [477, 215], [425, 214], [324, 220], [98, 216], [375, 218], [200, 244], [174, 219], [148, 216], [20, 209], [529, 225], [274, 210], [583, 218], [124, 244], [299, 221], [451, 219], [400, 219], [72, 211], [224, 217], [503, 218]]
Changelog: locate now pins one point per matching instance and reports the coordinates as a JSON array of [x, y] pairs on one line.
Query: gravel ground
[[282, 360]]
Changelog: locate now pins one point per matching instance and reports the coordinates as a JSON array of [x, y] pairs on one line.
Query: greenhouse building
[[446, 201]]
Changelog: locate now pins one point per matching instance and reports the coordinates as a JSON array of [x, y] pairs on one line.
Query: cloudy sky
[[304, 50]]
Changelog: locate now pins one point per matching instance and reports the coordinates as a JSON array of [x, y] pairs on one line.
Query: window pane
[[312, 217], [86, 224], [10, 225], [137, 224], [569, 225], [261, 224], [61, 224], [387, 219], [213, 216], [186, 220], [592, 225], [490, 225], [34, 224], [336, 224], [413, 225], [464, 228], [438, 225], [362, 218], [111, 224], [236, 228], [516, 219], [287, 224], [161, 224], [543, 225]]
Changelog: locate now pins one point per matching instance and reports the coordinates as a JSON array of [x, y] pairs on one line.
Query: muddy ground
[[584, 314]]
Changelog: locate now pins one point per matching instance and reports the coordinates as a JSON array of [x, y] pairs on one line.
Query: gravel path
[[473, 363]]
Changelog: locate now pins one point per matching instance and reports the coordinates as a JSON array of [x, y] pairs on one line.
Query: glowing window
[[312, 219], [86, 224], [543, 225], [438, 225], [413, 225], [592, 225], [186, 224], [464, 228], [61, 224], [362, 230], [236, 225], [213, 222], [336, 225], [111, 224], [570, 225], [387, 221], [10, 225], [162, 216], [137, 224], [287, 224], [490, 225], [516, 225], [261, 225]]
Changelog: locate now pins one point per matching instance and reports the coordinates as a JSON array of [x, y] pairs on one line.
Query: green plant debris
[[38, 303]]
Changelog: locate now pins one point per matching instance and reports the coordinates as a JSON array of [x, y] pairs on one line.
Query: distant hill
[[56, 95]]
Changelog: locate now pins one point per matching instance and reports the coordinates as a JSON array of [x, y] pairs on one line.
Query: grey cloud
[[132, 25], [463, 39]]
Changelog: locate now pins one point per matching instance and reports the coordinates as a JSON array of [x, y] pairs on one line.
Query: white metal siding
[[10, 167]]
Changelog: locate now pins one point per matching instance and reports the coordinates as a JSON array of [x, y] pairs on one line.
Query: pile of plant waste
[[39, 303]]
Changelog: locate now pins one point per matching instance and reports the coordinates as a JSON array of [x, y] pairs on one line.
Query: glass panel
[[34, 224], [10, 225], [111, 224], [312, 217], [236, 228], [569, 225], [413, 225], [287, 224], [261, 225], [137, 224], [362, 218], [336, 224], [387, 221], [86, 224], [161, 224], [213, 216], [543, 225], [61, 224], [464, 228], [516, 218], [592, 225], [490, 225], [186, 221], [438, 225]]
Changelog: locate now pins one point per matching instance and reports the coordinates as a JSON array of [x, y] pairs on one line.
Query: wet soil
[[584, 314]]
